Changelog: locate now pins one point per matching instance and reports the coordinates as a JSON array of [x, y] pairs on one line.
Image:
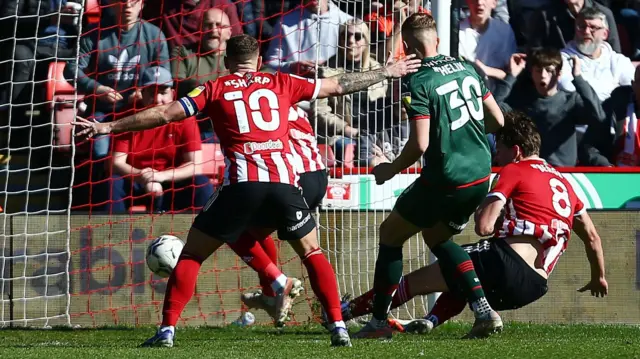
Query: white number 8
[[560, 198]]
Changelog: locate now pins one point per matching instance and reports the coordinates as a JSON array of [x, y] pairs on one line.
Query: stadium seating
[[92, 11], [327, 154], [61, 97]]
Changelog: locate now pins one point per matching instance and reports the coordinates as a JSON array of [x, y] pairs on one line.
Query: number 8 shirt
[[540, 202], [250, 116]]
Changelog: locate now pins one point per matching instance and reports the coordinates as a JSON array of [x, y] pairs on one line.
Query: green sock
[[386, 279], [456, 267]]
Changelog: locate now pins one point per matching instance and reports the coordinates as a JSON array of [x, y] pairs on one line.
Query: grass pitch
[[517, 341]]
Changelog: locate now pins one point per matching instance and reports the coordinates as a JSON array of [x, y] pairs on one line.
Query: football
[[163, 253]]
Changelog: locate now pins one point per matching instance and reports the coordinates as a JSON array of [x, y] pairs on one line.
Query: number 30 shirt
[[250, 116], [540, 202]]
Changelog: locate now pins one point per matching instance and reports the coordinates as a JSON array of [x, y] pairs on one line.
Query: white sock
[[481, 307], [170, 328], [335, 325], [279, 284], [433, 319]]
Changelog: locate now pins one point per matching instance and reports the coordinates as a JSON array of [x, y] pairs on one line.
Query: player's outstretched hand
[[598, 287], [89, 129], [402, 66], [383, 172]]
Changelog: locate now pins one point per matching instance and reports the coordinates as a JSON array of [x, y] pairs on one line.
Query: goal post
[[68, 261]]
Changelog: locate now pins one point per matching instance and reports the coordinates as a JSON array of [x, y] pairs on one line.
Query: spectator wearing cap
[[161, 164]]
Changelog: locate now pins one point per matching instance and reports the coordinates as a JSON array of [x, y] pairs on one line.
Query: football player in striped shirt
[[540, 210], [249, 111], [313, 182]]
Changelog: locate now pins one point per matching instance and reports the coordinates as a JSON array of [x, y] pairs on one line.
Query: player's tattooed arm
[[347, 83], [357, 81]]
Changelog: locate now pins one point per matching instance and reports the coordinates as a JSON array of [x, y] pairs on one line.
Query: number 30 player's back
[[452, 93], [249, 114]]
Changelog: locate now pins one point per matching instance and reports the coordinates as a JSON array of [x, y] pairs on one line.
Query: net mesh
[[71, 258]]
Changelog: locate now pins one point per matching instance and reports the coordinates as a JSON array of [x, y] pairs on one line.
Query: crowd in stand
[[567, 63]]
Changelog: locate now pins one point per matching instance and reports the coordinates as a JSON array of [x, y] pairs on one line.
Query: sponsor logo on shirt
[[251, 147]]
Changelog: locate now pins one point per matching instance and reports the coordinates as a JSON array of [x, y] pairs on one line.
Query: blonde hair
[[365, 61]]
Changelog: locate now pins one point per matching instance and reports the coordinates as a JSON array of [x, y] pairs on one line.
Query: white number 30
[[560, 198]]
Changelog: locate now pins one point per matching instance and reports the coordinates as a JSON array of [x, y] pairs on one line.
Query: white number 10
[[254, 106]]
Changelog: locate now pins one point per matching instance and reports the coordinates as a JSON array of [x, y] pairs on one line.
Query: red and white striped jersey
[[303, 144], [540, 202], [250, 115]]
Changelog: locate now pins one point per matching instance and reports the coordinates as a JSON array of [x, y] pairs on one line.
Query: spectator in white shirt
[[296, 35], [602, 68], [486, 41]]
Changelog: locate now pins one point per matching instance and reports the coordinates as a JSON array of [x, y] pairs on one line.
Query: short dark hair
[[242, 48], [519, 129], [546, 57], [419, 21]]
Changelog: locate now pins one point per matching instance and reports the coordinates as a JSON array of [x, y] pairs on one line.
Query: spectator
[[55, 39], [357, 118], [555, 112], [385, 22], [487, 42], [555, 25], [180, 20], [627, 142], [297, 35], [601, 67], [110, 60], [195, 65], [162, 163], [199, 63]]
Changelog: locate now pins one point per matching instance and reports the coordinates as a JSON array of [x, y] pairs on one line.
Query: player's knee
[[387, 232], [305, 245]]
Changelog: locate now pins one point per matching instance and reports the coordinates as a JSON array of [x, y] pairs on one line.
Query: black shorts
[[233, 208], [314, 187], [508, 281]]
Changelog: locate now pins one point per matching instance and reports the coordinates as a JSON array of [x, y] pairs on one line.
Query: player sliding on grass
[[541, 208], [249, 111], [450, 107]]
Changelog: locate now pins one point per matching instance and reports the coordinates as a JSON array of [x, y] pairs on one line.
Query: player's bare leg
[[458, 268], [284, 288], [394, 232], [265, 298], [182, 284], [324, 285]]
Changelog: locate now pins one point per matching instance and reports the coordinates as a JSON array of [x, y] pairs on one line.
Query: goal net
[[74, 239]]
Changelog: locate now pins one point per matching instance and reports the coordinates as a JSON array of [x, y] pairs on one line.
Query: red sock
[[324, 284], [269, 247], [180, 288], [446, 307], [364, 303], [251, 252]]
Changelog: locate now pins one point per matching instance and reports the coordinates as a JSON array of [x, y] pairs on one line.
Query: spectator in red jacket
[[161, 164]]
